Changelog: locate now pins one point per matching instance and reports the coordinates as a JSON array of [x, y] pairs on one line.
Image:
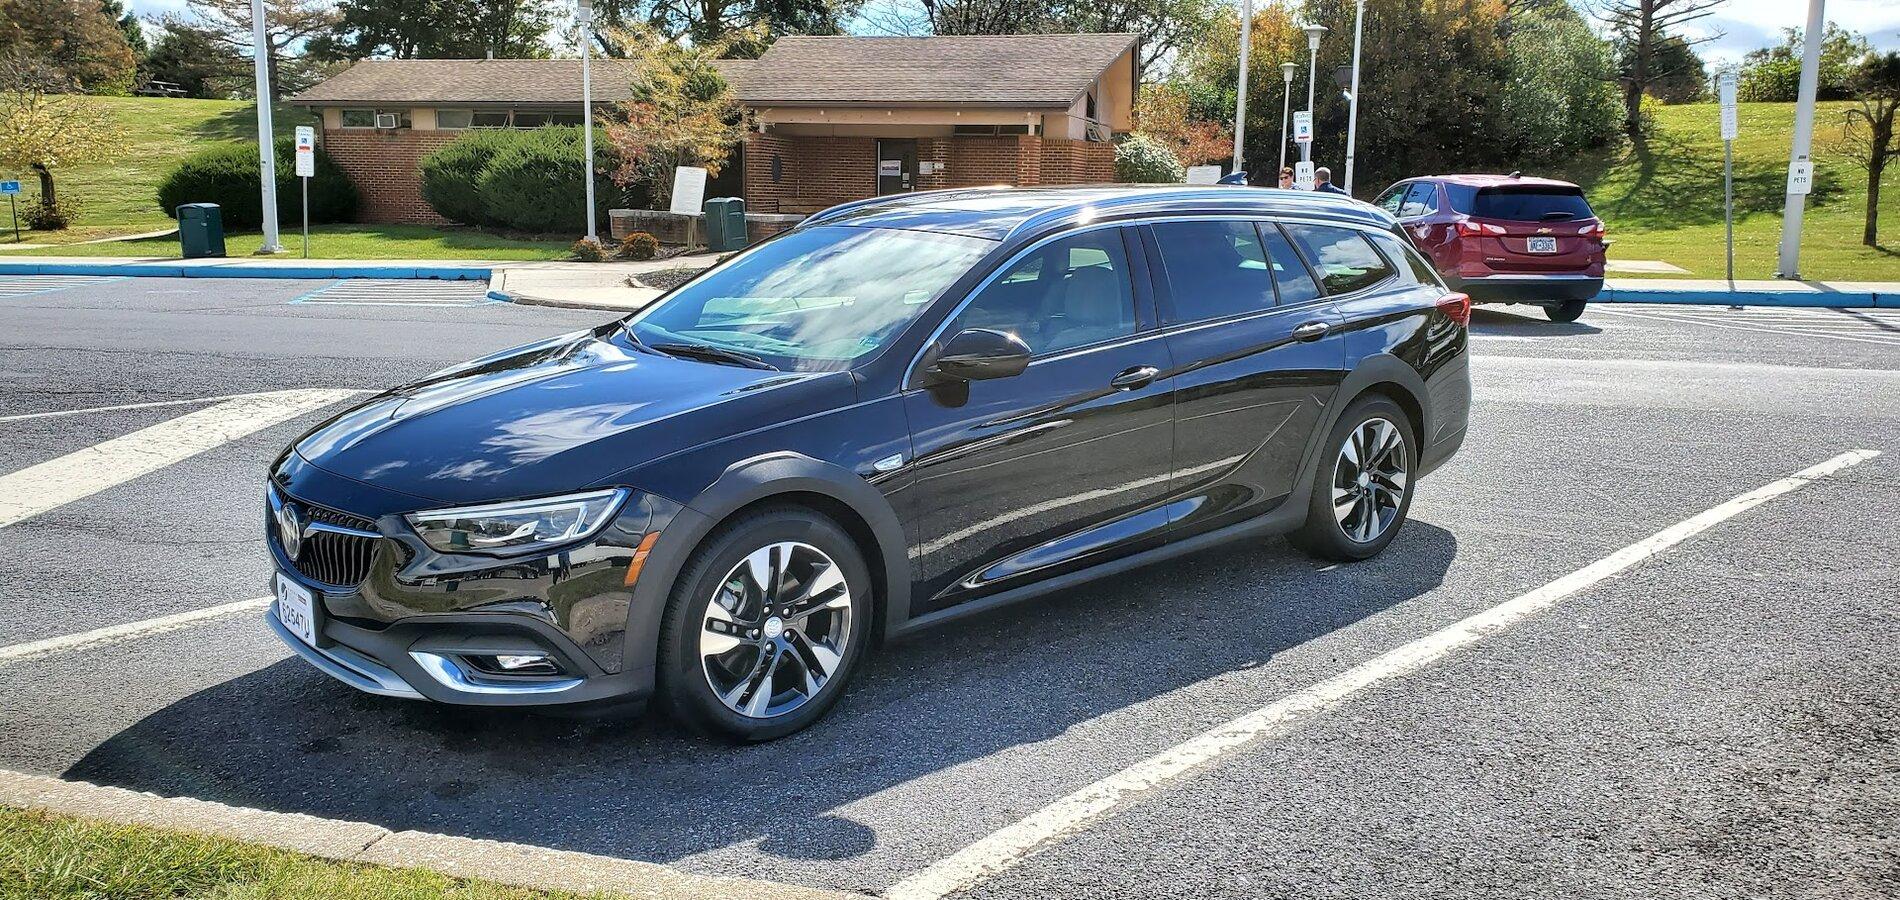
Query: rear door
[[1258, 357]]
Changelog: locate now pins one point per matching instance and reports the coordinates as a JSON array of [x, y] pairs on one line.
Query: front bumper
[[1528, 288]]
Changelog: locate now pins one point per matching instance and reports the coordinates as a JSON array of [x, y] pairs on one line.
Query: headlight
[[519, 526]]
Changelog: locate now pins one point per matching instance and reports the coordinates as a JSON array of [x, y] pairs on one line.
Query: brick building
[[838, 118]]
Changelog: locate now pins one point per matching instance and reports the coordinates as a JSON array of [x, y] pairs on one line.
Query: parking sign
[[1303, 127], [9, 187], [1725, 90], [306, 151]]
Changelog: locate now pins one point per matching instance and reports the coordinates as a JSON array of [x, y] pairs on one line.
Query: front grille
[[329, 557]]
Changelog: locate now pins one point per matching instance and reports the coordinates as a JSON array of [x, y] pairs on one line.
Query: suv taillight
[[1456, 307], [1594, 228], [1473, 229]]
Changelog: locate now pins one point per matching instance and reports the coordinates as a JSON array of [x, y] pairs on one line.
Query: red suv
[[1505, 238]]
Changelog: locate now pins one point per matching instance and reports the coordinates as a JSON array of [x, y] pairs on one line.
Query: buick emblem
[[289, 530]]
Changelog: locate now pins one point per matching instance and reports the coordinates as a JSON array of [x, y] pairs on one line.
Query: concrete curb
[[520, 865], [1801, 297], [312, 270]]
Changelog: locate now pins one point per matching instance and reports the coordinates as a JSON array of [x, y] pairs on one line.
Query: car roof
[[998, 213], [1480, 180]]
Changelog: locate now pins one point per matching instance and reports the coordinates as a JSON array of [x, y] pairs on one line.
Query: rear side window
[[1214, 269], [1401, 254], [1343, 257], [1530, 204], [1295, 282]]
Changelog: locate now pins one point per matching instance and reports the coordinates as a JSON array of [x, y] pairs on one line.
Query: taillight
[[1456, 307], [1595, 228], [1473, 229]]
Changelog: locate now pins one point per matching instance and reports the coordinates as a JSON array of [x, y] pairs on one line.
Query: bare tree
[[1640, 27], [287, 24], [1867, 137]]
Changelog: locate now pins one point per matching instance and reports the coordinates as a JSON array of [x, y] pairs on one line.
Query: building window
[[573, 119], [1089, 107], [530, 119], [359, 118], [454, 119], [992, 129], [485, 119]]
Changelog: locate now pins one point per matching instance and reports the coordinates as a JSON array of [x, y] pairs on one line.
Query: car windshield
[[1540, 204], [816, 298]]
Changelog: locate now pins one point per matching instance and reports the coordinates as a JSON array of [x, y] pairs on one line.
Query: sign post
[[689, 196], [12, 190], [1303, 136], [1725, 90], [306, 167]]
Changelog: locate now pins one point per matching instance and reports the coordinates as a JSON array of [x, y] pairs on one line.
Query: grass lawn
[[1664, 200], [118, 195], [47, 857], [340, 242]]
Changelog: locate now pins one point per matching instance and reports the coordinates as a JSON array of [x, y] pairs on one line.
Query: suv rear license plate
[[1543, 245], [296, 608]]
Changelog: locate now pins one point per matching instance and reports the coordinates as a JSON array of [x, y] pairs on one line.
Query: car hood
[[555, 416]]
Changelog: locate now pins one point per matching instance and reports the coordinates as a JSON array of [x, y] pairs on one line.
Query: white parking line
[[1004, 849], [1861, 333], [29, 285], [394, 292], [56, 482], [21, 417], [118, 634]]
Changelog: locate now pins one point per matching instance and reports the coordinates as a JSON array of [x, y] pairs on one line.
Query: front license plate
[[1543, 245], [296, 608]]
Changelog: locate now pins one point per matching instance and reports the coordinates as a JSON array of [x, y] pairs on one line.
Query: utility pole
[[1800, 164], [1240, 96], [1352, 103], [266, 150], [584, 14], [1286, 112]]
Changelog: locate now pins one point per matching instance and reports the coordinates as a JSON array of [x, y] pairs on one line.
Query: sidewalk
[[1862, 294], [586, 285]]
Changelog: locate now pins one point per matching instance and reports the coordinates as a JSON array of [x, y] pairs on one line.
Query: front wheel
[[1567, 311], [1362, 488], [765, 625]]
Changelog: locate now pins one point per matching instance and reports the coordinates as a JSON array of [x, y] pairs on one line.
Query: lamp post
[[266, 146], [1286, 110], [584, 14], [1313, 33], [1240, 95], [1352, 104], [1788, 262]]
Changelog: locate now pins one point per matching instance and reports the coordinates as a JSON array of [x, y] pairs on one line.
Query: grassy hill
[[117, 195], [1664, 200]]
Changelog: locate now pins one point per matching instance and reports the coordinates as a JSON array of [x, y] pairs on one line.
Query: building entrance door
[[896, 166]]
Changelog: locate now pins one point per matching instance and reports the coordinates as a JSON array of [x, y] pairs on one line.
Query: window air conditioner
[[387, 120], [1098, 132]]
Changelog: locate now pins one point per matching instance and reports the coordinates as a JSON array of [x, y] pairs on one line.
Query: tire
[[1370, 518], [739, 661], [1567, 311]]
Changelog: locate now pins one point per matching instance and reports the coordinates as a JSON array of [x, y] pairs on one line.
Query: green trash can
[[200, 230], [725, 224]]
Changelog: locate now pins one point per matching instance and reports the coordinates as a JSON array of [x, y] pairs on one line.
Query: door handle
[[1137, 377], [1311, 331]]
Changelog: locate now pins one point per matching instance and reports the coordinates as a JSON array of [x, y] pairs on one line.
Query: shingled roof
[[1031, 70]]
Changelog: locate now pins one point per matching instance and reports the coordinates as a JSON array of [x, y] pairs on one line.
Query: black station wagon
[[906, 409]]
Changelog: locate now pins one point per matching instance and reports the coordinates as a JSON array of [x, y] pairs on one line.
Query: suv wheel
[[765, 625], [1362, 488], [1567, 311]]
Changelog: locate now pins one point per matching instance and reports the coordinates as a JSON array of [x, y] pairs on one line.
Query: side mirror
[[976, 354]]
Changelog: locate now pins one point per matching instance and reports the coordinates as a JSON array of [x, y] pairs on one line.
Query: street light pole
[[1286, 110], [1240, 96], [1352, 104], [1789, 263], [266, 149], [584, 14], [1313, 33]]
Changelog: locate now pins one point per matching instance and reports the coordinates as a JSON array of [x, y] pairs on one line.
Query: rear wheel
[[1362, 489], [765, 625], [1567, 311]]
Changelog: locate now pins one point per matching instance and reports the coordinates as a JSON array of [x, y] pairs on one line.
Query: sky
[[1742, 24]]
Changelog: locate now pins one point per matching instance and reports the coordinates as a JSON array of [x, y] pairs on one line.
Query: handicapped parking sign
[[9, 187]]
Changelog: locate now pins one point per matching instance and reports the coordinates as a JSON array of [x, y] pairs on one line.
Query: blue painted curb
[[1835, 299], [313, 270]]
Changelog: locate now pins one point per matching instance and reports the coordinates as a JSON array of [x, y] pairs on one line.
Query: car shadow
[[287, 738], [1498, 321]]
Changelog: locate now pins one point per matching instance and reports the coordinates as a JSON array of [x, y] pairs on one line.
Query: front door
[[1062, 465], [896, 167]]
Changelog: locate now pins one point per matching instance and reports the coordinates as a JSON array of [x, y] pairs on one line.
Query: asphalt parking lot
[[1720, 720]]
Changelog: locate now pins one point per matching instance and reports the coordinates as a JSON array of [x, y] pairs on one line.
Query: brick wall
[[382, 164], [814, 172], [1077, 162]]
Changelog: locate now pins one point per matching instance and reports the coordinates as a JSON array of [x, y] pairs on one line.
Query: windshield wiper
[[710, 353]]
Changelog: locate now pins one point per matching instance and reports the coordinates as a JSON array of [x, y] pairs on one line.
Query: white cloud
[[1747, 24]]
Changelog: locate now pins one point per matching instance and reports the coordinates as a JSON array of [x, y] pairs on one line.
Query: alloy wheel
[[1369, 480], [776, 629]]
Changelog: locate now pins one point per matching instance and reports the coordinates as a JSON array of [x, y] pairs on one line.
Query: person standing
[[1323, 182], [1286, 178]]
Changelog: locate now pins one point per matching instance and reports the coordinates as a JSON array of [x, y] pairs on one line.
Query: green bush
[[536, 183], [227, 174], [588, 250], [639, 245], [44, 216], [451, 176], [1141, 159]]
